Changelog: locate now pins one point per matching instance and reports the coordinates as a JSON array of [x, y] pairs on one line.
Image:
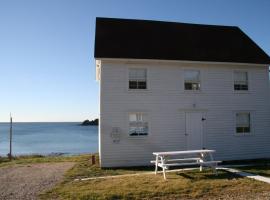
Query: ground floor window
[[243, 122], [138, 125]]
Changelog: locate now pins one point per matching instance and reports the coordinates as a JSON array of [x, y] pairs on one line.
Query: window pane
[[141, 85], [192, 75], [242, 119], [132, 74], [137, 74], [192, 86], [137, 79], [133, 85], [195, 86], [240, 87], [132, 118], [246, 129], [239, 130], [243, 122], [240, 76], [244, 87], [141, 74], [138, 124], [188, 86], [139, 117], [240, 81], [192, 79]]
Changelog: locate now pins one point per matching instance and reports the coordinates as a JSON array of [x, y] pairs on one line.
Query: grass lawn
[[180, 185], [263, 170], [31, 159]]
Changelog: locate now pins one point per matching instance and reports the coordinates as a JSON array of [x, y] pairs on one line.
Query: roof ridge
[[166, 22]]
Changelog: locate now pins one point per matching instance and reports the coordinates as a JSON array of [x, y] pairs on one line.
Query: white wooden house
[[168, 86]]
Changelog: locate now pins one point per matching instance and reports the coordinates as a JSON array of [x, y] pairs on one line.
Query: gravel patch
[[27, 181]]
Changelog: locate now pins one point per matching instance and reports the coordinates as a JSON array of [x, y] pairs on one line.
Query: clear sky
[[47, 69]]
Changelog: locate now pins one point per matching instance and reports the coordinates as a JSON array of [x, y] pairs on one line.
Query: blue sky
[[47, 69]]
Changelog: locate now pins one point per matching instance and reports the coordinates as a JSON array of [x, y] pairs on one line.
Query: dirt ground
[[27, 181]]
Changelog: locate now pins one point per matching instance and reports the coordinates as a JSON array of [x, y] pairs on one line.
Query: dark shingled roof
[[143, 39]]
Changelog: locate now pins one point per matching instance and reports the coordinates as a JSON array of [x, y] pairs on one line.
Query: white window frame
[[251, 131], [234, 80], [199, 81], [145, 121], [146, 79]]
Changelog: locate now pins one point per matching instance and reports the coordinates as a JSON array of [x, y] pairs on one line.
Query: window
[[242, 122], [192, 80], [137, 79], [138, 124], [240, 80]]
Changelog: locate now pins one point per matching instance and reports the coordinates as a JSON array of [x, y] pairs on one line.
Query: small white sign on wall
[[115, 134]]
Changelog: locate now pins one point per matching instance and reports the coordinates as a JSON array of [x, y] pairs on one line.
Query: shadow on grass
[[208, 174], [136, 169]]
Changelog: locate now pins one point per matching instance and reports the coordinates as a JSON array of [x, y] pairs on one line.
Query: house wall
[[166, 102]]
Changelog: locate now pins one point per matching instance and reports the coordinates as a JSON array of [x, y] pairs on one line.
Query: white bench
[[203, 157]]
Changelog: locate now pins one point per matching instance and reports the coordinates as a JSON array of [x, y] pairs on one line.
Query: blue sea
[[49, 138]]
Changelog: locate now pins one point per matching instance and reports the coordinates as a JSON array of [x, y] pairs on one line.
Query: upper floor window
[[243, 122], [138, 124], [192, 80], [137, 78], [240, 80]]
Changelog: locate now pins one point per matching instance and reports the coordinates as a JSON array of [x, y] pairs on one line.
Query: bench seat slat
[[185, 164], [183, 152], [182, 159]]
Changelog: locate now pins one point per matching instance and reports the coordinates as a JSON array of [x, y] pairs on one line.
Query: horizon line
[[39, 121]]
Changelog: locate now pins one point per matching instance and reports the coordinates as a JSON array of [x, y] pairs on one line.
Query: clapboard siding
[[165, 102]]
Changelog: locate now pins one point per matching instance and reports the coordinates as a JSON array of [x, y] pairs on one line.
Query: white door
[[194, 130]]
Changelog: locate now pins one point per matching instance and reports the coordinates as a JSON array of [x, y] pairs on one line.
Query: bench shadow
[[207, 174]]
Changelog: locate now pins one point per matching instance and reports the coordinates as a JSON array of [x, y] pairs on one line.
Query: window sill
[[138, 137], [138, 90], [241, 92], [243, 134], [193, 91]]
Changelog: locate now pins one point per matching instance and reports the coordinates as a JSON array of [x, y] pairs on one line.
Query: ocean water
[[49, 138]]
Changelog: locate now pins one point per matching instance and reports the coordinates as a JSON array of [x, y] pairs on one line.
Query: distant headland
[[90, 123]]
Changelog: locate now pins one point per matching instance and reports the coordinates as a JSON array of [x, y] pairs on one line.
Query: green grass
[[180, 185], [260, 166], [263, 170], [84, 169], [250, 161], [31, 159], [186, 185]]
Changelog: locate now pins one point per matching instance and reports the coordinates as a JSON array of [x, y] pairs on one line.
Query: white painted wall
[[166, 102]]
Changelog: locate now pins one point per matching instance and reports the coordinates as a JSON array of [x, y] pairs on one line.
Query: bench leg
[[163, 167], [215, 169], [214, 166], [201, 160], [156, 168], [164, 173], [200, 167]]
